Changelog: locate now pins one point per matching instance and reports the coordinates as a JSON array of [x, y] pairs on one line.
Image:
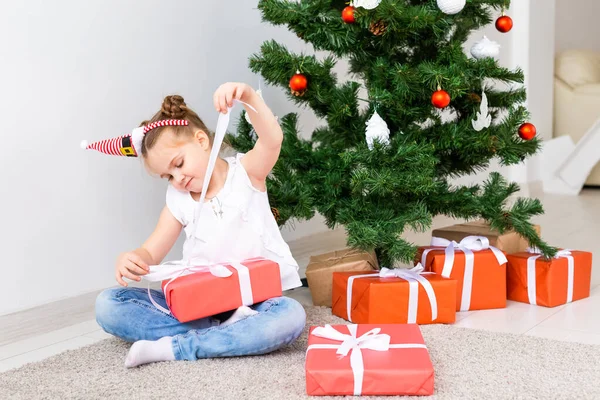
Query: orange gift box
[[203, 294], [487, 279], [552, 284], [402, 369], [376, 300]]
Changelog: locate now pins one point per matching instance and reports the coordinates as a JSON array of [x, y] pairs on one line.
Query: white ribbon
[[413, 276], [468, 245], [372, 340], [531, 278], [245, 283], [220, 132]]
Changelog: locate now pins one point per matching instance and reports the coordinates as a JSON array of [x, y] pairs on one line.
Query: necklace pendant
[[218, 214]]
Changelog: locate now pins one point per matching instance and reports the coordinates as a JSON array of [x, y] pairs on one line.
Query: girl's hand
[[227, 92], [130, 265]]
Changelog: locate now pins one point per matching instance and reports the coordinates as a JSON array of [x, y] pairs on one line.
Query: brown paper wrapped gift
[[509, 242], [320, 269]]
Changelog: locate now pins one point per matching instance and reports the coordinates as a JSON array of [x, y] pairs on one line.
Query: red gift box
[[549, 282], [387, 359], [478, 268], [209, 291], [397, 296]]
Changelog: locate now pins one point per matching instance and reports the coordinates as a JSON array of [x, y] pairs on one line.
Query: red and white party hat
[[129, 145]]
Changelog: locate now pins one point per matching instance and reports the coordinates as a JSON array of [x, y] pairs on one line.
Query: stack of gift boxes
[[466, 267], [382, 351]]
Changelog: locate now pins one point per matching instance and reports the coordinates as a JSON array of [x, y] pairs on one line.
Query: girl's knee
[[293, 317], [106, 303]]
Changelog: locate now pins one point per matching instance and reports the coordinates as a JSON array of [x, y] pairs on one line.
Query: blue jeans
[[128, 314]]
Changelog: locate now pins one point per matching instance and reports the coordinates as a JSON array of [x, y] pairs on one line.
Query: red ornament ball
[[298, 83], [527, 131], [504, 23], [348, 15], [440, 99]]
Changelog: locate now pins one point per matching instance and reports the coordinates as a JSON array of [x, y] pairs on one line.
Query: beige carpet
[[469, 364]]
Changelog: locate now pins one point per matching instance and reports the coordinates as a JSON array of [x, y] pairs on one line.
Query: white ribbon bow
[[468, 245], [531, 278], [175, 269], [371, 340]]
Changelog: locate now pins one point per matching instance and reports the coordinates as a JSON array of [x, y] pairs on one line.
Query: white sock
[[147, 351], [241, 313]]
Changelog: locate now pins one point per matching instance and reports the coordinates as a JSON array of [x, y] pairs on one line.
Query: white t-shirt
[[235, 225]]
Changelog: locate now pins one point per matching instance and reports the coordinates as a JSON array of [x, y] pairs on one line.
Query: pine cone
[[474, 97], [297, 93], [275, 213], [494, 144], [377, 28]]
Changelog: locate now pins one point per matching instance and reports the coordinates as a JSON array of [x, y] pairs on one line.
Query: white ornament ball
[[367, 4], [451, 6], [485, 48]]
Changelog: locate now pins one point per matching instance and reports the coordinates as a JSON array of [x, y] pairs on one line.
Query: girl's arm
[[259, 161], [133, 264], [160, 242]]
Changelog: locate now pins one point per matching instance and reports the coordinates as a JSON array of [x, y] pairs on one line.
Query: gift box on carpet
[[478, 268], [197, 292], [396, 296], [370, 359], [320, 269], [509, 242], [533, 279]]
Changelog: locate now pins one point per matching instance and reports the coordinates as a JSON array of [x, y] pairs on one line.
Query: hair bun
[[174, 107]]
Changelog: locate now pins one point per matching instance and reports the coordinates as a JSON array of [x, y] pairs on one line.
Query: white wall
[[74, 70], [577, 24], [540, 71], [540, 76], [529, 46], [534, 51]]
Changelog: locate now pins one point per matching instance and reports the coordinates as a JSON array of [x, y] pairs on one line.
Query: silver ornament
[[367, 4], [485, 48], [451, 6]]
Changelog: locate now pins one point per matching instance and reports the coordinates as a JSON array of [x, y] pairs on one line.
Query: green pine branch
[[399, 53]]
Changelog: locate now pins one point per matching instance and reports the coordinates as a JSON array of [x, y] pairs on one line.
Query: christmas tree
[[382, 162]]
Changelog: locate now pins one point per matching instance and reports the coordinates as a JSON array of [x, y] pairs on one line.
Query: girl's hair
[[173, 107]]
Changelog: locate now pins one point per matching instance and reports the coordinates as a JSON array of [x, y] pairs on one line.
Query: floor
[[569, 222]]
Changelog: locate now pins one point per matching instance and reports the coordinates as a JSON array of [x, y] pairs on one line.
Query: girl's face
[[181, 160]]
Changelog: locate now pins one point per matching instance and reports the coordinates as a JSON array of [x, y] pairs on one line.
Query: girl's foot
[[241, 313], [147, 351]]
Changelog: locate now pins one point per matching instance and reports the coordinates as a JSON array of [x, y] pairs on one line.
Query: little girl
[[235, 223]]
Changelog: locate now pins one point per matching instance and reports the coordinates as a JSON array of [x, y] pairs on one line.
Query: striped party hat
[[129, 145]]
